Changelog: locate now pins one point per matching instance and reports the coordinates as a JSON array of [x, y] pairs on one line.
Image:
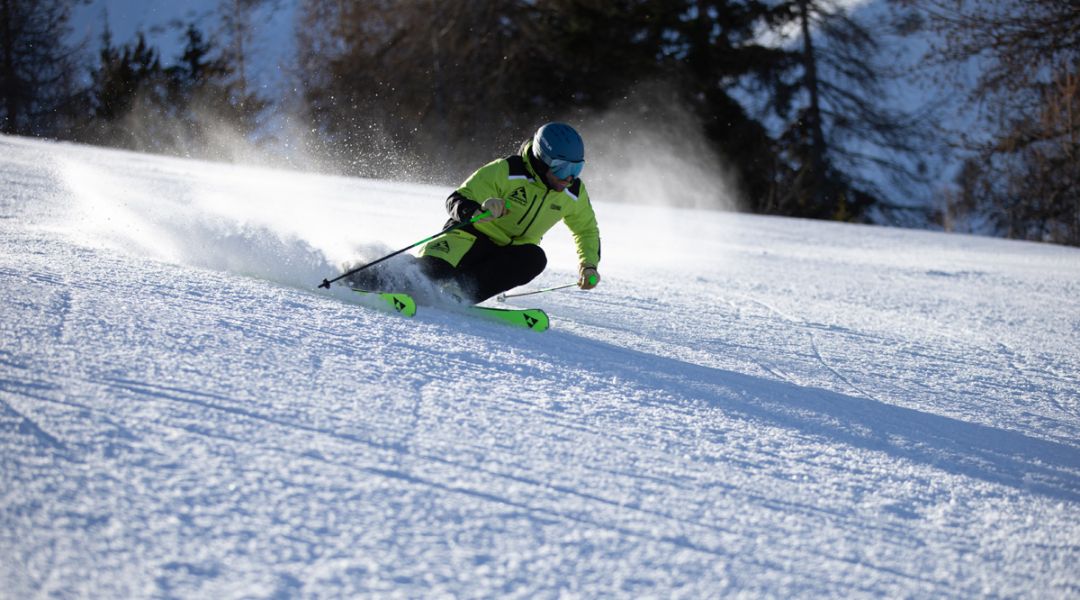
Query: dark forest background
[[791, 100]]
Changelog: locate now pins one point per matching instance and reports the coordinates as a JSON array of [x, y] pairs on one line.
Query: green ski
[[392, 301], [529, 318]]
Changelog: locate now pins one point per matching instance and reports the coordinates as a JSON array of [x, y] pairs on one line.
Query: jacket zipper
[[539, 207]]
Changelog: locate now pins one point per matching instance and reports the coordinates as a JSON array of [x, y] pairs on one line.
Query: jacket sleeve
[[460, 208], [582, 223], [487, 182]]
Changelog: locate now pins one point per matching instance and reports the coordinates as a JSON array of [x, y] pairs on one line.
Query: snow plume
[[173, 224], [280, 139], [243, 220], [650, 150]]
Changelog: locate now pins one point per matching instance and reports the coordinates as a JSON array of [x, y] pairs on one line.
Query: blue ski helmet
[[560, 148]]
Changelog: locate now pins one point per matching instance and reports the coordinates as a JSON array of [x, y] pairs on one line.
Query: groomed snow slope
[[745, 407]]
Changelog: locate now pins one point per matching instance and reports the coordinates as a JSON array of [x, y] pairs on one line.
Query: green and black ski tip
[[529, 318]]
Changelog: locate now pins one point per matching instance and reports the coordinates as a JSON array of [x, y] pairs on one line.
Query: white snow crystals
[[745, 407]]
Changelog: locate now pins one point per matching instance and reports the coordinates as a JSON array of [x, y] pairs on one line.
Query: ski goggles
[[563, 169]]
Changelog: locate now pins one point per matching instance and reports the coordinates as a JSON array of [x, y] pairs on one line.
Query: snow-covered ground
[[746, 406]]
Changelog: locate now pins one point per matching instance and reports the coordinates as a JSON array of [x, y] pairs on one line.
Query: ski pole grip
[[483, 215]]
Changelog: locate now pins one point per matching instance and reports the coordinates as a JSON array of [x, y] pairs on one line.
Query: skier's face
[[558, 184]]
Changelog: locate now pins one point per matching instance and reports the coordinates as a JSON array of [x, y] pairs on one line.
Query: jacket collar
[[536, 167]]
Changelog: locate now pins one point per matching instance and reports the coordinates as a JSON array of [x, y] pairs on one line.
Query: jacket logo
[[556, 207], [519, 196], [440, 246]]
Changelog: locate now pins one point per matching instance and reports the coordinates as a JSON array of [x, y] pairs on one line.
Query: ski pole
[[326, 282], [503, 297]]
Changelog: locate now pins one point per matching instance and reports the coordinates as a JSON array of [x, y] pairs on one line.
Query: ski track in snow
[[746, 406]]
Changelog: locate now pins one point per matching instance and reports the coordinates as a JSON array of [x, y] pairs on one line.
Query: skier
[[526, 195]]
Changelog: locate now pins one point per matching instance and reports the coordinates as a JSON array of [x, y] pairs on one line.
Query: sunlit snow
[[745, 407]]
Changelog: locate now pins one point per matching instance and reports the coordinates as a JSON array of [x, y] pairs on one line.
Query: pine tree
[[129, 96], [237, 26], [452, 84], [37, 67], [714, 49], [839, 124], [1025, 174], [191, 108]]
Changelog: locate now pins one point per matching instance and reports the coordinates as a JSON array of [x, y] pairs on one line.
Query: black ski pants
[[488, 269]]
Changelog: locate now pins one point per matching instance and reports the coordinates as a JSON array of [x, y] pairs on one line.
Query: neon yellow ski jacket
[[534, 208]]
